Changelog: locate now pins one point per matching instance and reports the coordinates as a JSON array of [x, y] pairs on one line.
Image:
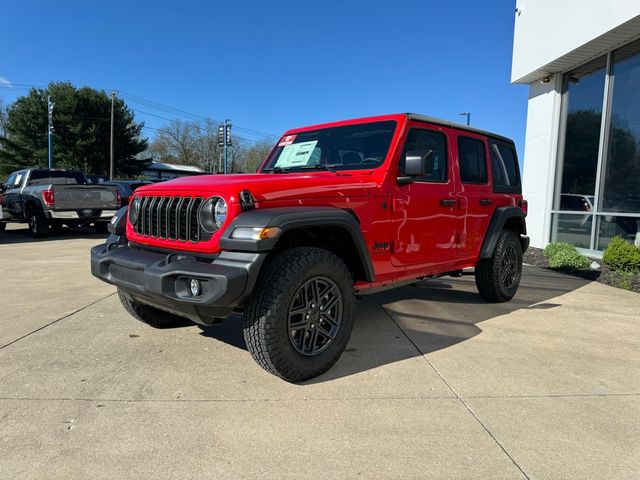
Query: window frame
[[517, 188], [483, 142], [423, 179]]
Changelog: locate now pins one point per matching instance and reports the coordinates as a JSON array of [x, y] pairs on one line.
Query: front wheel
[[300, 317], [498, 277]]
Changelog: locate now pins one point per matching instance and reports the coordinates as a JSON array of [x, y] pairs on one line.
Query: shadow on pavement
[[16, 234], [433, 315]]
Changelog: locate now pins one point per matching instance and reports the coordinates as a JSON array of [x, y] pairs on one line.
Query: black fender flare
[[499, 219], [290, 218]]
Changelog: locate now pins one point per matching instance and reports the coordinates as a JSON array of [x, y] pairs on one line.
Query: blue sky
[[270, 66]]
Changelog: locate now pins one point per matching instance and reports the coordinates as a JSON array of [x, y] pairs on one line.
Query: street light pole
[[468, 115], [50, 105], [111, 165]]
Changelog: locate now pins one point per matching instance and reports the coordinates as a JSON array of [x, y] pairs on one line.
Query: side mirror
[[416, 162]]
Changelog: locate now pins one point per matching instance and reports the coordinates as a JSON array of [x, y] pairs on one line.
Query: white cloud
[[4, 81]]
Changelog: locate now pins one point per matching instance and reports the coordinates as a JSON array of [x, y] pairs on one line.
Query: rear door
[[425, 212], [12, 196], [477, 202]]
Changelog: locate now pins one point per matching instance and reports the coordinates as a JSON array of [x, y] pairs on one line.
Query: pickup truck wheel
[[300, 317], [38, 225], [55, 227], [498, 277], [101, 227], [149, 315]]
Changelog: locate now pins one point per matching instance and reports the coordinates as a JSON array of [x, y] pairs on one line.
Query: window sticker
[[288, 140], [18, 180], [296, 154]]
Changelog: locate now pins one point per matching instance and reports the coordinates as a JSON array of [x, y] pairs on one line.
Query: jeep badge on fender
[[294, 244]]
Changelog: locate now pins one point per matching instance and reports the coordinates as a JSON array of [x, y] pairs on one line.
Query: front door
[[425, 212]]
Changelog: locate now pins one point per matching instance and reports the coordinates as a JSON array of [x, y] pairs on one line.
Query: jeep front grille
[[173, 218]]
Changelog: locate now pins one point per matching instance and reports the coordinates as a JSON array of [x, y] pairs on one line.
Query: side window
[[9, 182], [504, 167], [473, 163], [428, 141]]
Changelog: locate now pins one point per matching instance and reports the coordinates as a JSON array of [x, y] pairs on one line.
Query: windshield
[[350, 147]]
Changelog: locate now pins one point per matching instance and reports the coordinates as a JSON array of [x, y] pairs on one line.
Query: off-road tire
[[38, 225], [266, 317], [55, 227], [498, 277], [101, 227], [150, 315]]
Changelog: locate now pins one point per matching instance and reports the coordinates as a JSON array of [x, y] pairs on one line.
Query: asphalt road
[[435, 383]]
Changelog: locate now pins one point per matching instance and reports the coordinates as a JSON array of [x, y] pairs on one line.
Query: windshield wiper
[[276, 170], [331, 167]]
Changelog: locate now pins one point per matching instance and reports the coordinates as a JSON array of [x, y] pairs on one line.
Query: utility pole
[[113, 101], [468, 115], [50, 105]]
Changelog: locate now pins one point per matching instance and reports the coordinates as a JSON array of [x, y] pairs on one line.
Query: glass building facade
[[597, 190]]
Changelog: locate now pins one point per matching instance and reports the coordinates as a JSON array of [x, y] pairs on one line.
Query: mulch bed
[[535, 256]]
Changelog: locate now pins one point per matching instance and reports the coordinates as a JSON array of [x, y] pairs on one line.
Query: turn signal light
[[255, 233]]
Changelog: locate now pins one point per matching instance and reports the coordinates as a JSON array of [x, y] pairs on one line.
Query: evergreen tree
[[81, 137]]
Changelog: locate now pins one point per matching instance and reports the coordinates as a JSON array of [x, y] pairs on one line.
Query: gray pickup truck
[[47, 199]]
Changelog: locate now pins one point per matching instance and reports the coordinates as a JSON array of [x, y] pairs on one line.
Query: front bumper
[[161, 280]]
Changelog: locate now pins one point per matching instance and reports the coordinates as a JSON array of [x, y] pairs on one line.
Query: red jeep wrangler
[[335, 211]]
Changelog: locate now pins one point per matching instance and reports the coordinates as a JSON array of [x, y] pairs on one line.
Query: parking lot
[[435, 383]]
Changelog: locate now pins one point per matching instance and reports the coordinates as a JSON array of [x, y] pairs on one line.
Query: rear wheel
[[101, 227], [149, 315], [38, 225], [498, 277], [300, 317], [55, 227]]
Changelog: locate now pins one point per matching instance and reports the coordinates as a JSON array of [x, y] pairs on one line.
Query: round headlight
[[220, 212], [212, 214], [134, 208]]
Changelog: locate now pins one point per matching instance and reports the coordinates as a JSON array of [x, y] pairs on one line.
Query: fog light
[[195, 287]]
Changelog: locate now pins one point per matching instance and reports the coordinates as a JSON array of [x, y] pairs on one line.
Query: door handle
[[486, 201], [448, 202]]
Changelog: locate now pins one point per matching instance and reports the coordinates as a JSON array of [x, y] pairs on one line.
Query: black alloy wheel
[[314, 316]]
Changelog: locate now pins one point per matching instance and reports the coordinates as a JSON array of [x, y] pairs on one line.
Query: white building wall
[[546, 30], [541, 145]]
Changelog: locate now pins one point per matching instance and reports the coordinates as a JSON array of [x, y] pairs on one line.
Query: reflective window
[[473, 164], [584, 93], [610, 226], [427, 141], [504, 167], [572, 228], [621, 191]]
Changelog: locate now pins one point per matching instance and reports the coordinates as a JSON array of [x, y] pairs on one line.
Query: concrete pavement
[[435, 383]]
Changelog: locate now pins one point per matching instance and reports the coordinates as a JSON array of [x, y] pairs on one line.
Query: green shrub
[[622, 255], [565, 256]]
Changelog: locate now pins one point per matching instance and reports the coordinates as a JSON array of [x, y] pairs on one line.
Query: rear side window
[[428, 141], [504, 167], [473, 163]]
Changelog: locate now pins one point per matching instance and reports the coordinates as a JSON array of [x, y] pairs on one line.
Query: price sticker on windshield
[[287, 140]]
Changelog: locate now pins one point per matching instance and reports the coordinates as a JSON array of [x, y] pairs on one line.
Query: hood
[[268, 186]]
